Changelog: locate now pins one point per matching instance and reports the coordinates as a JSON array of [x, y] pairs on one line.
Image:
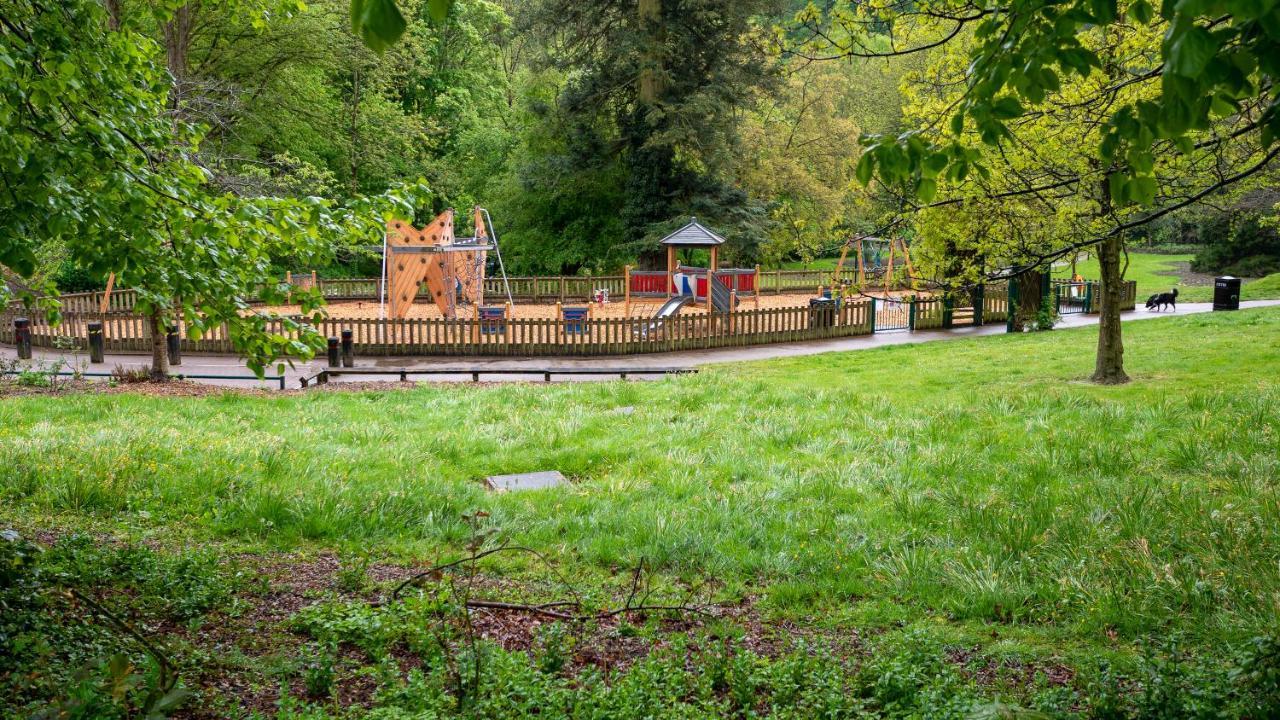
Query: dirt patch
[[188, 388], [173, 388]]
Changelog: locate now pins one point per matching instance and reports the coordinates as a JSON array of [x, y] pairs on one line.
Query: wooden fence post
[[334, 359], [22, 337], [174, 342], [348, 348], [95, 342]]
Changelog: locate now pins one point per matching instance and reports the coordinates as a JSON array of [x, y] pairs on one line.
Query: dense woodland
[[196, 148], [533, 110]]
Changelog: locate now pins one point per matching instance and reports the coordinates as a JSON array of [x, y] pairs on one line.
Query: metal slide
[[668, 309]]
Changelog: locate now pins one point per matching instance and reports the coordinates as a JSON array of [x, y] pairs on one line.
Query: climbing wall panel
[[408, 272]]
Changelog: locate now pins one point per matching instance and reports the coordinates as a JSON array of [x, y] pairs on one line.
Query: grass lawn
[[977, 495], [1153, 273]]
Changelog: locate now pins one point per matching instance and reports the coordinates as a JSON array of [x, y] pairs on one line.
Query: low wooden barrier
[[125, 332]]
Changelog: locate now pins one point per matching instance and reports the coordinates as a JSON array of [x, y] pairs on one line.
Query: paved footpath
[[226, 365]]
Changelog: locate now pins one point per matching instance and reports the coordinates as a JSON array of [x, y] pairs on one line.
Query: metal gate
[[1073, 298], [892, 314]]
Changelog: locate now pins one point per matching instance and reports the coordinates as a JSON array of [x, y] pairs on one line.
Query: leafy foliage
[[92, 156]]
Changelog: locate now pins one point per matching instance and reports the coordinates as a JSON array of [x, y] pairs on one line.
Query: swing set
[[877, 246]]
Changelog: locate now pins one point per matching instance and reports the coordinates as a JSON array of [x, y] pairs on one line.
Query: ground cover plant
[[917, 531]]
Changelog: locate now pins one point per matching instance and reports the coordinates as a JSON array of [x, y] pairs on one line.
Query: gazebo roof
[[694, 234]]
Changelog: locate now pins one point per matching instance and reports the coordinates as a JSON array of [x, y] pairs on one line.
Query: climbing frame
[[416, 258]]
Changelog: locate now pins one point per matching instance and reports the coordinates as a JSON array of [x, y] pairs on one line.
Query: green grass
[[968, 482], [1151, 271]]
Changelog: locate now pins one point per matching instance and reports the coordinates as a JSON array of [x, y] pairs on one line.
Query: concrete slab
[[526, 481]]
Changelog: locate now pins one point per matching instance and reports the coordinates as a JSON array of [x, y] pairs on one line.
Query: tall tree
[[1212, 72], [90, 156], [654, 87]]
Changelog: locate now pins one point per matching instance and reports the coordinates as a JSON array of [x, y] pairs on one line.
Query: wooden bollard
[[175, 348], [22, 337], [348, 349], [334, 359], [96, 343]]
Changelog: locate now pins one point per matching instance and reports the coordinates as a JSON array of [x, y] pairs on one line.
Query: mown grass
[[1153, 272], [971, 482]]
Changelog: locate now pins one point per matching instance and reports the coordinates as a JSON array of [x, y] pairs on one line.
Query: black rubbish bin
[[822, 312], [1226, 293]]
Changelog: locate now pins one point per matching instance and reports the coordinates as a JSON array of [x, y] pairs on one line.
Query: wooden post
[[733, 307], [561, 288], [22, 337], [862, 273], [106, 294], [348, 349], [175, 347], [627, 290], [671, 270], [911, 271], [334, 358], [888, 273], [756, 284], [96, 342]]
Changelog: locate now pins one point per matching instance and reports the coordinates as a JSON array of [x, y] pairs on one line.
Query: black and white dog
[[1169, 299]]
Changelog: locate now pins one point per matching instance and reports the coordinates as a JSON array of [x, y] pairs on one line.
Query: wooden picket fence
[[126, 333]]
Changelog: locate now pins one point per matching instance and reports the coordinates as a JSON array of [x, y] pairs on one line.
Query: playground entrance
[[893, 314], [1073, 297], [963, 307]]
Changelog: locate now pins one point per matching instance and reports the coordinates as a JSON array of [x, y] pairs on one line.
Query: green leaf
[[377, 22], [439, 10], [1142, 12], [927, 190], [866, 166], [1142, 189], [934, 164], [1007, 108], [957, 123], [1103, 11], [1117, 184], [1191, 52]]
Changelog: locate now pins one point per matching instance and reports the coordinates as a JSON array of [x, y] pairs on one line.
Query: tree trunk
[[113, 14], [650, 80], [356, 152], [1109, 368], [159, 346], [177, 42]]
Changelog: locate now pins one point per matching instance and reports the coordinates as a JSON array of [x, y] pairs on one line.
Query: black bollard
[[22, 337], [348, 349], [175, 348], [96, 343], [333, 353]]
